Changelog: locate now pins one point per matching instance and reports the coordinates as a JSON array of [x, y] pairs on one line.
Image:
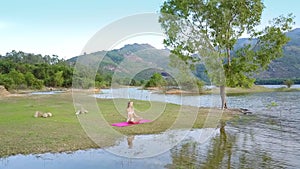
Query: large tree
[[207, 30]]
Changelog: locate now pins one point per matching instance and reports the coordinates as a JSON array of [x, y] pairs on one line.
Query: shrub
[[156, 80], [288, 83]]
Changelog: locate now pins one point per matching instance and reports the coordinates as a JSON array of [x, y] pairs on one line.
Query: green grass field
[[21, 133]]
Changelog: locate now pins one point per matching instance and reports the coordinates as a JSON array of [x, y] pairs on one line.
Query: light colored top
[[130, 115]]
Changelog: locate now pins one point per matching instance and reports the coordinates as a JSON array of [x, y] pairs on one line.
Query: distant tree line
[[19, 70], [276, 81]]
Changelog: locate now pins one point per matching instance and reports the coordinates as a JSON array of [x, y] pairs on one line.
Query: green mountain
[[287, 66], [135, 61], [140, 61]]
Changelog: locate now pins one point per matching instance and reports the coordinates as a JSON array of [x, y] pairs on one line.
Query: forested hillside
[[19, 70], [138, 60], [286, 67]]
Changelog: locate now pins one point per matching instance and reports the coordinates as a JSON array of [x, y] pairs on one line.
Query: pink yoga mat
[[124, 124]]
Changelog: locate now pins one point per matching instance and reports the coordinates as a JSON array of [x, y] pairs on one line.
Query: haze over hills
[[136, 58]]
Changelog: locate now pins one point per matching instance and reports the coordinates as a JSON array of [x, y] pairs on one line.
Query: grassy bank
[[22, 133]]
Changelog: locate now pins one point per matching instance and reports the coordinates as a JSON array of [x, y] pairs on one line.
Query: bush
[[288, 83], [7, 82], [156, 80], [200, 85]]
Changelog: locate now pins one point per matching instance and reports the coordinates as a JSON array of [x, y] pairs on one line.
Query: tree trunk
[[223, 97], [228, 56]]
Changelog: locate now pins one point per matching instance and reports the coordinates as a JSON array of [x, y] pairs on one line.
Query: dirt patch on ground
[[3, 91], [177, 91]]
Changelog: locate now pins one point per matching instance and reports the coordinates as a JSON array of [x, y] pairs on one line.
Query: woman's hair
[[128, 105]]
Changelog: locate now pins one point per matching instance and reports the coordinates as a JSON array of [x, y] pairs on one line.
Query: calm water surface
[[46, 92], [268, 139]]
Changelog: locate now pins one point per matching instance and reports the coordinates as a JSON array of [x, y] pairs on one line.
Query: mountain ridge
[[286, 67]]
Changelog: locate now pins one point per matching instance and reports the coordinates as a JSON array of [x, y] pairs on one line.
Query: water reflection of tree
[[184, 156], [221, 152], [219, 156], [187, 155]]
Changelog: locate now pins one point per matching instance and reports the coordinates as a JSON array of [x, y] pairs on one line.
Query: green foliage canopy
[[156, 80], [288, 83], [21, 70], [207, 30]]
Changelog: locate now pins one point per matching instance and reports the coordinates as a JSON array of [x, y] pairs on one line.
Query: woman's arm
[[128, 117]]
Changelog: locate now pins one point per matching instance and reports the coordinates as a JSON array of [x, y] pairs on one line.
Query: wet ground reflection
[[227, 147]]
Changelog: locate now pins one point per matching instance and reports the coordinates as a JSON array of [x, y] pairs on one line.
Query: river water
[[269, 138]]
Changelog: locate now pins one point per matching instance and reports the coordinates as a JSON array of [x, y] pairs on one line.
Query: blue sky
[[63, 27]]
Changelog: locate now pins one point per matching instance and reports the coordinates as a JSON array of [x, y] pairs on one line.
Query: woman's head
[[130, 104]]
